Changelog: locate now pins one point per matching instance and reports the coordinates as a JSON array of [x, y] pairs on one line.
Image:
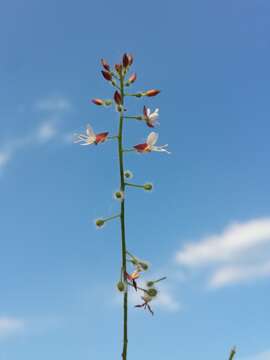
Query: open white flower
[[150, 145], [150, 118], [90, 137]]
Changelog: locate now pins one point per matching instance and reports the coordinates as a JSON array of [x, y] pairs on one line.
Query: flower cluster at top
[[112, 75]]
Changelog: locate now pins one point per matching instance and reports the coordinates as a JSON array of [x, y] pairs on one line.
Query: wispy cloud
[[237, 254], [10, 326], [53, 103], [45, 132], [52, 110], [261, 356]]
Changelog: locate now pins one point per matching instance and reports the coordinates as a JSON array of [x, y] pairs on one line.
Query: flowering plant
[[132, 267]]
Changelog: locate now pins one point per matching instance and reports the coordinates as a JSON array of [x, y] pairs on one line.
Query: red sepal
[[101, 137], [141, 147]]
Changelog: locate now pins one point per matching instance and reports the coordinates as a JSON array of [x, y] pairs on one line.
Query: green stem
[[127, 150], [133, 117], [122, 217], [233, 352], [112, 217], [135, 185]]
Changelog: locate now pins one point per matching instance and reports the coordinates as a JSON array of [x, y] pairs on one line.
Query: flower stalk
[[116, 76]]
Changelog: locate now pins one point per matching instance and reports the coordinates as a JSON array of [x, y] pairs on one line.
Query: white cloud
[[10, 326], [231, 243], [261, 356], [53, 104], [238, 254], [235, 274], [4, 158], [46, 131]]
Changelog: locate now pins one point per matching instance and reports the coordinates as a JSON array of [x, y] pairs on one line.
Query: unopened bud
[[100, 223], [152, 292], [107, 75], [128, 174], [105, 64], [117, 98], [121, 286], [118, 68], [98, 101], [119, 195], [150, 284], [132, 79], [148, 187], [144, 265], [152, 92], [125, 60]]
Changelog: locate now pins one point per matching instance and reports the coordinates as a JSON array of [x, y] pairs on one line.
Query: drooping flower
[[146, 300], [149, 145], [132, 277], [90, 137], [150, 118]]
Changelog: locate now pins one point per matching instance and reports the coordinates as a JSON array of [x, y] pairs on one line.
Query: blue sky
[[206, 225]]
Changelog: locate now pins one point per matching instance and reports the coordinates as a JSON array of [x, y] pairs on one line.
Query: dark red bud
[[105, 64], [125, 60], [98, 102], [132, 78], [107, 75], [118, 68], [130, 59], [152, 92], [117, 98]]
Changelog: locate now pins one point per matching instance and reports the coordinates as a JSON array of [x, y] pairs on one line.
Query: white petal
[[148, 112], [89, 131], [152, 138]]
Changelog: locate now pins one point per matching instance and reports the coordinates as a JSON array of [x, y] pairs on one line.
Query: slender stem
[[112, 137], [127, 150], [112, 217], [233, 352], [135, 185], [122, 217], [133, 117]]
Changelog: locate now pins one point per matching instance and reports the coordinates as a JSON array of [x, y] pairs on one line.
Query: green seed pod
[[152, 292], [148, 187], [119, 195], [128, 174], [150, 284], [121, 286], [99, 223], [144, 265]]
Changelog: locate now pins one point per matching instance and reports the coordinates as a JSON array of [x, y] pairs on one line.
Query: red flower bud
[[125, 60], [117, 98], [105, 64], [152, 92], [118, 68], [98, 102], [132, 78], [130, 59], [107, 75]]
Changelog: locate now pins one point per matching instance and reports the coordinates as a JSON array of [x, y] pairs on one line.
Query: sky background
[[206, 225]]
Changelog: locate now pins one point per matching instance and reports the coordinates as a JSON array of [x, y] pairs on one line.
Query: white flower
[[90, 137], [150, 145], [150, 118]]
